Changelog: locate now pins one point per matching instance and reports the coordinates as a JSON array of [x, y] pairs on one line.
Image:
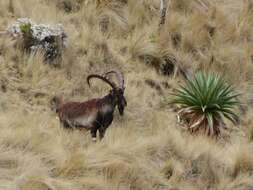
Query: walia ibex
[[95, 114]]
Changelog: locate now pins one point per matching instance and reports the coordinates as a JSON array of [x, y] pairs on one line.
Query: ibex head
[[117, 92]]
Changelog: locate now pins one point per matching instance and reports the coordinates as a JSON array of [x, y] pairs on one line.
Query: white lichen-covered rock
[[50, 39]]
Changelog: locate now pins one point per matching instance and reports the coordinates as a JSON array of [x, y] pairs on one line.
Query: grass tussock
[[145, 149]]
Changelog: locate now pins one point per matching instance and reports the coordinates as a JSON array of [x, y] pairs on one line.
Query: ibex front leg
[[106, 123], [93, 133], [101, 132]]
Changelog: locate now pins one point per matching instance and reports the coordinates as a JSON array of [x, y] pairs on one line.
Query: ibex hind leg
[[67, 125], [93, 133], [64, 124]]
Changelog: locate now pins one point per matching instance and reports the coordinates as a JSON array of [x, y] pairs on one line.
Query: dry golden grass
[[145, 149]]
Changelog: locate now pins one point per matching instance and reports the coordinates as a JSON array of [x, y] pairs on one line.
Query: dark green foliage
[[26, 28], [28, 39], [205, 101]]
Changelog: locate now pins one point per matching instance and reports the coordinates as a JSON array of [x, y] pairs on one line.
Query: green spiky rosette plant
[[205, 100]]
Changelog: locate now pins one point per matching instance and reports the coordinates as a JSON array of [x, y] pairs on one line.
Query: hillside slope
[[145, 149]]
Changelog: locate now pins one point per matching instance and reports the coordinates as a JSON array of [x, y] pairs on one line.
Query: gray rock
[[49, 39]]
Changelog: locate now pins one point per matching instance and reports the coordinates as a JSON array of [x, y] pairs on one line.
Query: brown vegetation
[[145, 149]]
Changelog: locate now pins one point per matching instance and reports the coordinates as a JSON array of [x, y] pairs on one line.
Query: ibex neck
[[108, 103]]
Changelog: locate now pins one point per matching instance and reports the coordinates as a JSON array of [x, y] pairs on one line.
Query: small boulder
[[51, 40]]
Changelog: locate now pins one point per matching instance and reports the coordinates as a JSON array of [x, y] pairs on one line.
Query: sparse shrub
[[28, 39], [243, 163], [205, 100], [168, 169], [176, 39], [69, 6], [11, 7], [152, 38], [165, 65]]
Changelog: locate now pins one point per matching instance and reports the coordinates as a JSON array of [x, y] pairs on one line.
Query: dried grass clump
[[144, 149]]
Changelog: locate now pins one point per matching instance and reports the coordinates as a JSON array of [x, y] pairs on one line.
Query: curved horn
[[119, 76], [100, 77]]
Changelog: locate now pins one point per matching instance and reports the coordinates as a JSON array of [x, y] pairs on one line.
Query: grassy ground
[[145, 149]]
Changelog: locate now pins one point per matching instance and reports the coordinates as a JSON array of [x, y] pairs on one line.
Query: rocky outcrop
[[51, 40]]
